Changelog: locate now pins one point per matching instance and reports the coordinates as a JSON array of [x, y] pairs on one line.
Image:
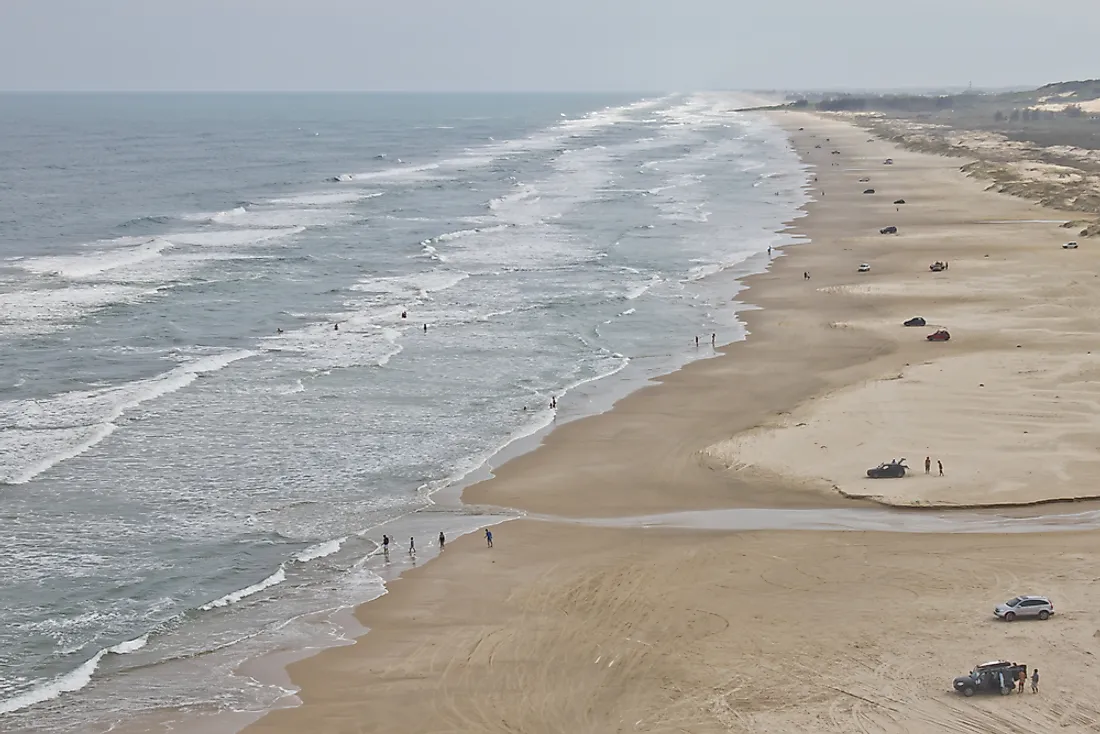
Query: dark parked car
[[998, 676], [916, 321], [889, 470], [888, 230], [868, 191], [939, 336], [899, 201]]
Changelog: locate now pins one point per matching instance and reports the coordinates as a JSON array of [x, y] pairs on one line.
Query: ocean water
[[196, 464]]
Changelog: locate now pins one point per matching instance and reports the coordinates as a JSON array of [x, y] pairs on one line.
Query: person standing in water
[[488, 538], [386, 546], [412, 546], [442, 542]]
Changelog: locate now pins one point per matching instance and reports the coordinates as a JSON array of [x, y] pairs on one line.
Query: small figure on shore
[[553, 402], [696, 340], [279, 331], [805, 275], [386, 546], [412, 546], [336, 327], [1035, 681], [1023, 677], [488, 538], [769, 250], [425, 328], [927, 464], [442, 542], [940, 465], [713, 337]]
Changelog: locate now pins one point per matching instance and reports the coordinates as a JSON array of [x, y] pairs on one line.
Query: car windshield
[[1014, 601]]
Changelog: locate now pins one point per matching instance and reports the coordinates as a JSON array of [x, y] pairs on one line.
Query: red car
[[940, 336]]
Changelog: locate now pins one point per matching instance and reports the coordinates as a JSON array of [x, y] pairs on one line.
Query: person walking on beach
[[713, 337], [1035, 681], [697, 340], [442, 542], [927, 464], [386, 546], [412, 546], [488, 538], [939, 464], [1023, 677]]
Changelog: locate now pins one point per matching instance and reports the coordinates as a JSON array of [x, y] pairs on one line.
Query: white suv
[[1024, 606]]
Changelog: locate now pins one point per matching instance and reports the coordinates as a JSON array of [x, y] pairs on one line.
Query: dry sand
[[569, 628]]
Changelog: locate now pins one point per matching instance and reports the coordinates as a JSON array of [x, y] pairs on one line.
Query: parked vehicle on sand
[[888, 230], [916, 321], [1038, 607], [893, 469], [937, 267], [868, 191], [939, 336], [998, 676], [888, 162], [863, 268], [1069, 246], [899, 201]]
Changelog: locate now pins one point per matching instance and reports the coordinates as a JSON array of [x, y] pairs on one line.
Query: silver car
[[1024, 606]]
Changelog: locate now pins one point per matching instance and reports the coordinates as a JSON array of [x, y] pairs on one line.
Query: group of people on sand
[[928, 465], [387, 541]]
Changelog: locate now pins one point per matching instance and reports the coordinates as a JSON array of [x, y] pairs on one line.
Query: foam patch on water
[[232, 598], [39, 434], [232, 238], [330, 198], [357, 343], [28, 312], [74, 680], [88, 266]]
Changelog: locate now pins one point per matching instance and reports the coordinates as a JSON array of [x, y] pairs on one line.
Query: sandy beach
[[569, 627]]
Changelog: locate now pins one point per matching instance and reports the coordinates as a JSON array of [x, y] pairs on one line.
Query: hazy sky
[[463, 45]]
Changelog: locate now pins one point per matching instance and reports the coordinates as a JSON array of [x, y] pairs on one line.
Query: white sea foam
[[74, 680], [38, 311], [320, 550], [416, 285], [358, 343], [328, 198], [87, 266], [233, 237], [640, 290], [269, 218], [39, 434], [233, 597]]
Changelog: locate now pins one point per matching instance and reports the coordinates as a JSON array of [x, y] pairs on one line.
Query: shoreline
[[535, 481]]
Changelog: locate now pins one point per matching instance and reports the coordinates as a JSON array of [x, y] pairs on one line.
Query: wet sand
[[573, 627]]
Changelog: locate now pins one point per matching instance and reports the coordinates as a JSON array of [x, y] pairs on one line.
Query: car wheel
[[968, 691], [1009, 616], [1044, 615]]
